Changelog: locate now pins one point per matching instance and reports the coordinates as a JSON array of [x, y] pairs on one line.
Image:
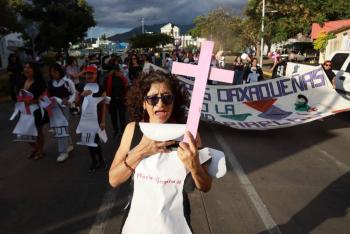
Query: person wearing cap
[[116, 85], [89, 91]]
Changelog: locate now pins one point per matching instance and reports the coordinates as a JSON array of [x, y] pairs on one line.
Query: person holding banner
[[35, 85], [238, 67], [63, 88], [327, 67], [157, 98], [253, 73]]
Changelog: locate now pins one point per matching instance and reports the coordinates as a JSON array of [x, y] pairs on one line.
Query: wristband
[[130, 168]]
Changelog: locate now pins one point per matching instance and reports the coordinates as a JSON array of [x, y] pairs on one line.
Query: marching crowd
[[66, 91]]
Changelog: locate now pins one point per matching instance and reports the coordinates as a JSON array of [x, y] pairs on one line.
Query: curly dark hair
[[136, 94]]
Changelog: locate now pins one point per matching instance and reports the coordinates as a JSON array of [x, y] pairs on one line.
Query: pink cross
[[201, 72]]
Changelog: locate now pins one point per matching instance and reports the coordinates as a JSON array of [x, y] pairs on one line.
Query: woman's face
[[254, 62], [159, 109], [134, 59], [91, 77], [28, 71]]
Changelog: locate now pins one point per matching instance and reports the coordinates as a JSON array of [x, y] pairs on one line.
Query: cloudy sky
[[115, 16]]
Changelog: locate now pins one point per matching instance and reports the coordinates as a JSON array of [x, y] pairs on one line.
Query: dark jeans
[[96, 152], [238, 80], [117, 108]]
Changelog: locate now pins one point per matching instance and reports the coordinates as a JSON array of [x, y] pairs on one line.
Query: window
[[348, 68], [338, 60]]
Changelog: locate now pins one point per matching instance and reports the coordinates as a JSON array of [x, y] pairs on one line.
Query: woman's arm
[[188, 153], [126, 160]]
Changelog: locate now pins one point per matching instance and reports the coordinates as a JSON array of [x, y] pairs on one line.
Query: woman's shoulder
[[130, 126]]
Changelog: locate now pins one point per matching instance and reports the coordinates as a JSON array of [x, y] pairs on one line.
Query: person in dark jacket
[[327, 67], [116, 86], [15, 69]]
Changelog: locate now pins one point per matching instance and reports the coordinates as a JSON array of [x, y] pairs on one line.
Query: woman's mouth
[[161, 114]]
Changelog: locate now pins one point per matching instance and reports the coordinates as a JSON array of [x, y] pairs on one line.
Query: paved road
[[295, 178]]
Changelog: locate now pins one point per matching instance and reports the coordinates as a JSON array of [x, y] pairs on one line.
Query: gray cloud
[[128, 13]]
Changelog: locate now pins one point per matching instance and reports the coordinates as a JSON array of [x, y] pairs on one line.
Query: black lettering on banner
[[58, 131], [88, 135]]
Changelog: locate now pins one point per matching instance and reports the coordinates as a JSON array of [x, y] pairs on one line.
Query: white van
[[340, 66]]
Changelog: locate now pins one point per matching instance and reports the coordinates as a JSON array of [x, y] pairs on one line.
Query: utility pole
[[262, 33], [143, 25]]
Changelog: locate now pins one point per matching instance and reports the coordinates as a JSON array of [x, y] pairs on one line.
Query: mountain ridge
[[124, 37]]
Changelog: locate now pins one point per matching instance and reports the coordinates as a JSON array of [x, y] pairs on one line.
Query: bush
[[49, 58]]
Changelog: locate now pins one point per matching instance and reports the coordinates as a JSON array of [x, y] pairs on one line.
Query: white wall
[[7, 44]]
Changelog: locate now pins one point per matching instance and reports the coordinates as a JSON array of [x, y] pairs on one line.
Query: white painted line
[[104, 211], [254, 197], [341, 165]]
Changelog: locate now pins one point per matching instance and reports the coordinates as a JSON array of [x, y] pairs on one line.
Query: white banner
[[276, 103]]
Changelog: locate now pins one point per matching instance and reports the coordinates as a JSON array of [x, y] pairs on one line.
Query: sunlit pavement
[[295, 178]]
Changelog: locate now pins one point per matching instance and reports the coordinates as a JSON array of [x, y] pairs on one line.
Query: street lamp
[[262, 30]]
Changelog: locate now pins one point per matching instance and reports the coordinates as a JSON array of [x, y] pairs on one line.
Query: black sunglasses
[[153, 100]]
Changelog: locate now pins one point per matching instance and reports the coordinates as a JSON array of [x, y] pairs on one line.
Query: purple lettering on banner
[[208, 116], [321, 79], [207, 96], [280, 123], [188, 86], [268, 94], [244, 96], [223, 95], [284, 87], [252, 124], [229, 110], [253, 90], [230, 124], [234, 93], [308, 78], [272, 89], [297, 85], [294, 120], [241, 124], [205, 107], [266, 124]]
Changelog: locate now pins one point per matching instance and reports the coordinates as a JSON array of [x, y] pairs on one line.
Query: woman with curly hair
[[157, 98]]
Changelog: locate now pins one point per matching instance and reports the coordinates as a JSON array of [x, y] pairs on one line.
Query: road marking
[[254, 197], [341, 165], [104, 211]]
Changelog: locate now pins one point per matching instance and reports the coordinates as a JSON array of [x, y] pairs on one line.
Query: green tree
[[295, 16], [322, 40], [291, 17], [150, 40], [9, 22], [60, 22], [222, 26]]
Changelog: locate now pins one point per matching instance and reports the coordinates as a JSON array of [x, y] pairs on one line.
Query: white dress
[[25, 129], [157, 202], [88, 125]]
